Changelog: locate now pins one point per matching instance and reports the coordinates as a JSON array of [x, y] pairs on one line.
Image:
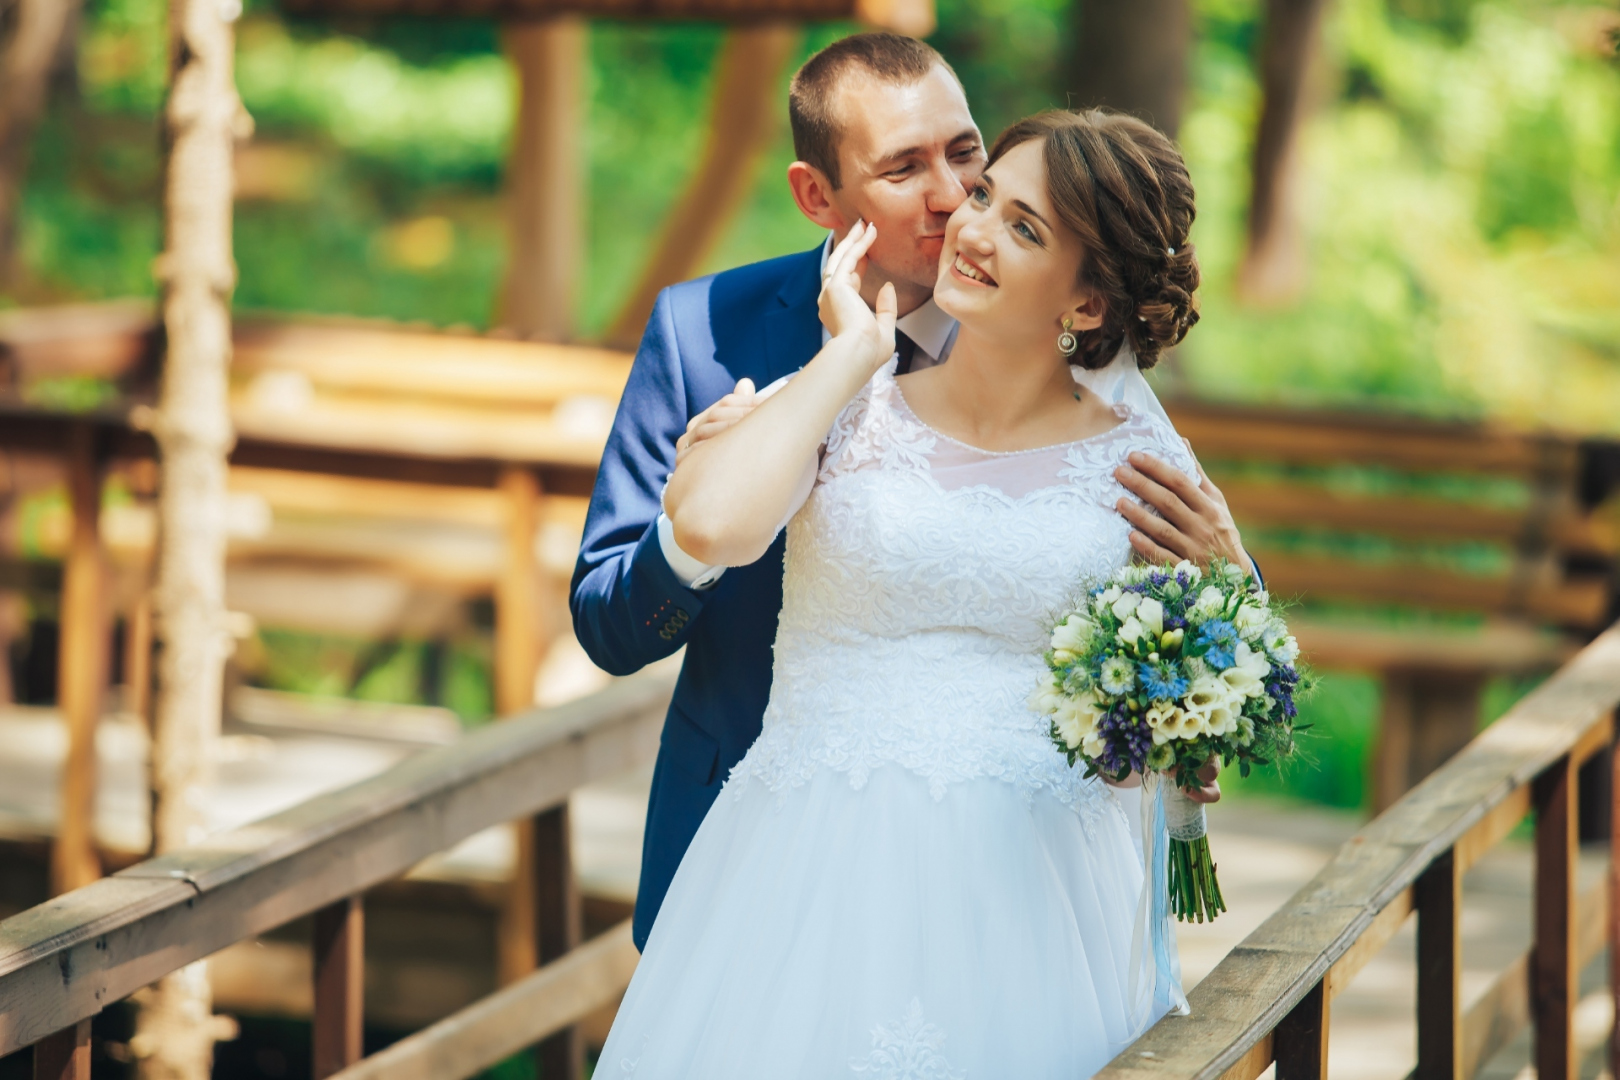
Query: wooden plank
[[1324, 437], [64, 1055], [1300, 504], [1370, 943], [1251, 990], [743, 118], [498, 1026], [1300, 1042], [1256, 1061], [1574, 602], [1554, 967], [339, 951], [377, 359], [66, 959], [1493, 828], [1500, 645], [82, 666], [1438, 896]]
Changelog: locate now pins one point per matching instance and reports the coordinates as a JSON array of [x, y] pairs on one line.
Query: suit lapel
[[793, 329]]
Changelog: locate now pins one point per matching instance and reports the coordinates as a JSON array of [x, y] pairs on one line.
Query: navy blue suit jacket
[[758, 321]]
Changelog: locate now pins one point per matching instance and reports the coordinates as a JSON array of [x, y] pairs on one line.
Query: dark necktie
[[907, 349]]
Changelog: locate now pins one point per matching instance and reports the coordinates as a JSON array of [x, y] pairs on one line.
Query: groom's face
[[907, 157]]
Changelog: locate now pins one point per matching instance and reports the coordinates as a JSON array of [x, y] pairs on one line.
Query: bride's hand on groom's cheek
[[1193, 521], [844, 312]]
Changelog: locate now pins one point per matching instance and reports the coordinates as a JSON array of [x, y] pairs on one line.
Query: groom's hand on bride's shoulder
[[1193, 521]]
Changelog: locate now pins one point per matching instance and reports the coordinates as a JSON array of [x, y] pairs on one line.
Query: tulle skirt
[[828, 931]]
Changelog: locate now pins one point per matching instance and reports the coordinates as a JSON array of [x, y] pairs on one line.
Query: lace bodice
[[921, 582]]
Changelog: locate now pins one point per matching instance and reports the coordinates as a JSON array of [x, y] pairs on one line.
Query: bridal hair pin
[[1067, 342]]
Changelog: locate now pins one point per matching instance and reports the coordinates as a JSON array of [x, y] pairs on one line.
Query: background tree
[[1131, 55]]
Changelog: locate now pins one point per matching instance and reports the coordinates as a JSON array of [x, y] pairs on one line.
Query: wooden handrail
[[1267, 1000], [66, 960]]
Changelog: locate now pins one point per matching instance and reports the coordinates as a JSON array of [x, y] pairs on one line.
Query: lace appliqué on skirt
[[908, 1049]]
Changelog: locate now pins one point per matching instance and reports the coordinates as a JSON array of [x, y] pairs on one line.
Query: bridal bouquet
[[1161, 669]]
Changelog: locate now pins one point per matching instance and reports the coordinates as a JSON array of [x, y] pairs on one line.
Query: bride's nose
[[975, 237]]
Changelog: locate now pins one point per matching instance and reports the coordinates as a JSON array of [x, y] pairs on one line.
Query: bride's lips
[[970, 272]]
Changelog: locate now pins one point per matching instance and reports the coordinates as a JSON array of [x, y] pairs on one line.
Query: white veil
[[1120, 380]]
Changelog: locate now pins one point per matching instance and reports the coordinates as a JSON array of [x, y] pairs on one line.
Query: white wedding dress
[[903, 878]]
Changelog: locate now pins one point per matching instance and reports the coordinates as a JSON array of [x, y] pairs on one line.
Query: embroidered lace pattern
[[908, 1049], [921, 582]]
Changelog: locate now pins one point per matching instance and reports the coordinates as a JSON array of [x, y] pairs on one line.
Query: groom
[[882, 131]]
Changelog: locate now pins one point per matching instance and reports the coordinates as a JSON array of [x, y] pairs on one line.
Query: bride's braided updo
[[1123, 189]]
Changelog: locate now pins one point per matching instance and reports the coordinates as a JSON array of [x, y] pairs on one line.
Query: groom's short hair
[[890, 58]]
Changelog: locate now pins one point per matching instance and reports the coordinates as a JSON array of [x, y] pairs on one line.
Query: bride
[[903, 877]]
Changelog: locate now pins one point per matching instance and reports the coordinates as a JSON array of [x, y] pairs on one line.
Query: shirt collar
[[928, 326]]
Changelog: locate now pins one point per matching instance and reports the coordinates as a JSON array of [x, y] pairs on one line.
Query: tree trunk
[[742, 120], [176, 1029], [25, 72], [1273, 269], [1131, 55], [545, 179]]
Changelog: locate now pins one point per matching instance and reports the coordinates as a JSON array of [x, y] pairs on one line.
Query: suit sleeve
[[629, 607]]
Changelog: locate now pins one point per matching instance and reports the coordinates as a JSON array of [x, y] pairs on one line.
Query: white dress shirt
[[934, 333]]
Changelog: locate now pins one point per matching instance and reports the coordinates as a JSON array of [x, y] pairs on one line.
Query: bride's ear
[[1088, 314]]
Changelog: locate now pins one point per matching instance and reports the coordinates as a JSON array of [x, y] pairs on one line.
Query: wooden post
[[517, 656], [65, 1055], [1391, 764], [1427, 716], [340, 979], [560, 925], [1438, 900], [1553, 988], [1300, 1042], [1273, 269], [81, 666], [742, 120], [545, 182], [175, 1029]]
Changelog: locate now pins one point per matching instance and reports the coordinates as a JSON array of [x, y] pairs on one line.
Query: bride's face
[[1009, 268]]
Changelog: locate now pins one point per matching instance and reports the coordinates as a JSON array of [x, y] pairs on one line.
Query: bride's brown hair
[[1123, 189]]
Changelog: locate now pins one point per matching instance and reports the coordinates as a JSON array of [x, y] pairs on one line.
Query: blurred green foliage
[[1458, 185]]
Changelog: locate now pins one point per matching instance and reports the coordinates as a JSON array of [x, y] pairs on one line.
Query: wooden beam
[[545, 181], [1273, 268], [339, 949], [1555, 971], [82, 667], [1278, 965], [65, 1055], [62, 961], [743, 118], [498, 1026]]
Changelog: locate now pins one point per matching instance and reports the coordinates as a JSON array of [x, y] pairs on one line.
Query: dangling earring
[[1067, 342]]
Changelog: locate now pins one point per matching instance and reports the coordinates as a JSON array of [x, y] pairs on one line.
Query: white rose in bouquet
[[1150, 613], [1247, 672]]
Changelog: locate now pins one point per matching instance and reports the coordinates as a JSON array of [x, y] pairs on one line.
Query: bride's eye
[[981, 194], [1026, 232]]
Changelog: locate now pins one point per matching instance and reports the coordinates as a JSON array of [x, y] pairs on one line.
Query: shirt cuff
[[691, 572]]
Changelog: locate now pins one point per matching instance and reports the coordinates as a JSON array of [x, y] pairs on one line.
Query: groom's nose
[[945, 191]]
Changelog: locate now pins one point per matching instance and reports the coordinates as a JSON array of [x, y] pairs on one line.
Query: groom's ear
[[812, 191]]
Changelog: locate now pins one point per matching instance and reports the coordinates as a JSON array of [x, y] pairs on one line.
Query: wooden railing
[[64, 961], [1268, 1000]]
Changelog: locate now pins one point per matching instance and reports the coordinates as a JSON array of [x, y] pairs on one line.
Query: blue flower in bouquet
[[1161, 681], [1219, 639]]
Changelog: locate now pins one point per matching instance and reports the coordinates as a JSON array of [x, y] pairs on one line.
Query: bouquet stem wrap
[[1155, 980], [1195, 894]]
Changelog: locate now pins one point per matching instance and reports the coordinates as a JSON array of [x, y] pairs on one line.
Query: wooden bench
[[1432, 554]]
